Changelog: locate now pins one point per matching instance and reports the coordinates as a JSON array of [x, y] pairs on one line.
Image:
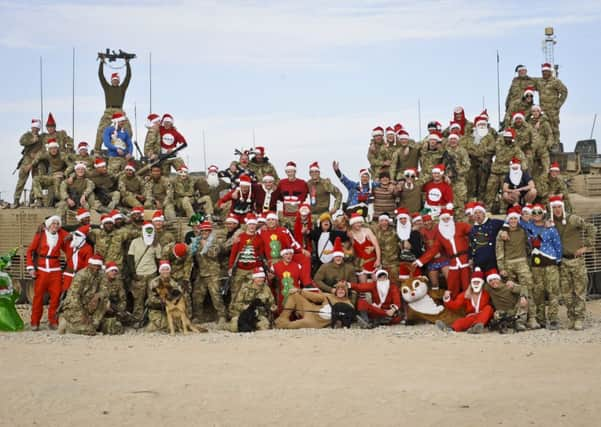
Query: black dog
[[343, 313], [247, 321]]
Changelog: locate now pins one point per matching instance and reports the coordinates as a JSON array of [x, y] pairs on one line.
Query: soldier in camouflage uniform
[[159, 193], [457, 157], [261, 166], [476, 145], [164, 236], [131, 187], [86, 302], [51, 165], [523, 105], [431, 152], [112, 323], [157, 319], [504, 149], [31, 142], [184, 194], [257, 289], [321, 191], [512, 260], [577, 238], [508, 299], [406, 156], [333, 272], [518, 86], [552, 95], [556, 185], [108, 241], [152, 143], [533, 147], [75, 191], [82, 156], [65, 142], [539, 121], [106, 194], [208, 248], [180, 259], [389, 245], [378, 154]]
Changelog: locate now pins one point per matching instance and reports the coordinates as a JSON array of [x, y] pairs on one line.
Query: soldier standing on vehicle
[[552, 93], [31, 142]]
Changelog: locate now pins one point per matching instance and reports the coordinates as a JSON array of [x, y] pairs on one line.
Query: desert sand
[[402, 375]]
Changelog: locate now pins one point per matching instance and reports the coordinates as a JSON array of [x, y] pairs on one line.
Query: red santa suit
[[477, 309], [454, 241], [437, 195], [287, 275], [46, 247], [292, 194], [77, 254], [384, 296], [251, 249], [276, 239]]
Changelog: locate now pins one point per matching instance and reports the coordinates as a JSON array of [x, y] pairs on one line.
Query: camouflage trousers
[[241, 277], [97, 205], [139, 291], [476, 181], [518, 270], [546, 293], [174, 162], [45, 182], [553, 117], [24, 173], [459, 197], [202, 286], [518, 311], [573, 284], [185, 204], [493, 186], [77, 323], [130, 201], [111, 326], [105, 121], [167, 208], [116, 165], [157, 321]]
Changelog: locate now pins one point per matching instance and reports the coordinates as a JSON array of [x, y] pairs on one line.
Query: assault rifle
[[228, 283], [162, 157], [112, 56], [20, 162], [450, 164]]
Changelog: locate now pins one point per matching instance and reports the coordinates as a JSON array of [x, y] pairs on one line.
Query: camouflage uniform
[[164, 237], [209, 275], [429, 158], [521, 105], [377, 155], [115, 291], [160, 190], [555, 186], [50, 174], [462, 166], [181, 271], [536, 152], [262, 169], [517, 88], [152, 143], [480, 162], [110, 245], [80, 187], [77, 317], [144, 259], [500, 168], [157, 319], [78, 158], [329, 274], [247, 294], [552, 94], [403, 158], [65, 142], [106, 195], [506, 301], [544, 131], [32, 146], [129, 187], [546, 283], [184, 195], [390, 249], [320, 193], [575, 234]]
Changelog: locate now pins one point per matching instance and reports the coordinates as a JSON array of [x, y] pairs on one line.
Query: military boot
[[532, 324], [578, 325], [363, 320], [477, 328]]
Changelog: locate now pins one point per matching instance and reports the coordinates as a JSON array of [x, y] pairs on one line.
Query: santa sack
[[10, 321]]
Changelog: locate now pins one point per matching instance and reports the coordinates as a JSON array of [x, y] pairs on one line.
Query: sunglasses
[[537, 212], [409, 175]]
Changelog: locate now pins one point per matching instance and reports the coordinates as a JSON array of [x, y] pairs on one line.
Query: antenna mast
[[549, 43]]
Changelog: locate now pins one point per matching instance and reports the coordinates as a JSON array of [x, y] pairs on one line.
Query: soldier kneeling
[[247, 294], [510, 301], [116, 315]]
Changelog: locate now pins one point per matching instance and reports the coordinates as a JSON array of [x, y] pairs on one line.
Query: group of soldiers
[[292, 244]]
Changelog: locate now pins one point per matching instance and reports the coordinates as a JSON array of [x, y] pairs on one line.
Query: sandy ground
[[388, 376]]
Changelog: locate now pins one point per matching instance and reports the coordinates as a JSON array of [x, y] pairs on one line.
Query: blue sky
[[311, 79]]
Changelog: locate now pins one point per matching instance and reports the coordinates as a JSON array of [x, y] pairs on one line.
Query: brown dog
[[175, 308]]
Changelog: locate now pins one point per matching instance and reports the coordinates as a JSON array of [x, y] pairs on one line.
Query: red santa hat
[[260, 149], [402, 134], [479, 206], [80, 165], [509, 133], [180, 250], [410, 172], [50, 121], [106, 218], [538, 108], [337, 250], [111, 266], [115, 76], [435, 125], [529, 90], [116, 214], [118, 117], [416, 217], [271, 215], [402, 212], [245, 180], [267, 178], [164, 265], [167, 118], [356, 218], [83, 230], [82, 213], [390, 131], [492, 274], [539, 206], [96, 259], [554, 167], [258, 273], [130, 166], [182, 170], [480, 119], [83, 145], [213, 169], [438, 169], [517, 115], [454, 125], [515, 161], [250, 218], [158, 216], [435, 136], [557, 200], [137, 209], [446, 212], [427, 217], [469, 208], [290, 166], [398, 127], [453, 136], [51, 143], [262, 218], [377, 131], [484, 114], [478, 275], [205, 226], [546, 67], [99, 163], [314, 167], [147, 224], [404, 272], [527, 209], [304, 209], [151, 120], [232, 218], [514, 212], [385, 217], [36, 123]]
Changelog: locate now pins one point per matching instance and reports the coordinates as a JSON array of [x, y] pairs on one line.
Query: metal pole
[[150, 79], [41, 92], [73, 99], [254, 145], [419, 117], [593, 128], [498, 91], [483, 102], [204, 150]]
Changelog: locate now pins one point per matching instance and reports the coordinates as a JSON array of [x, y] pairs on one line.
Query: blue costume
[[483, 238], [357, 192], [122, 135], [544, 240]]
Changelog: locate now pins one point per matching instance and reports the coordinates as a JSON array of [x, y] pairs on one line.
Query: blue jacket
[[549, 237], [483, 238], [108, 142], [357, 193]]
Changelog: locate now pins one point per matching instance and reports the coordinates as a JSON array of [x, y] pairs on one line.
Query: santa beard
[[383, 286], [447, 229], [515, 176], [148, 238], [213, 180], [403, 231], [77, 241]]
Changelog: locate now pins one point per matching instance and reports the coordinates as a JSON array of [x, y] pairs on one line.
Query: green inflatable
[[9, 318]]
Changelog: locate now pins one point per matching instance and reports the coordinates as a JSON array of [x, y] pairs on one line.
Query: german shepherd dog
[[175, 308]]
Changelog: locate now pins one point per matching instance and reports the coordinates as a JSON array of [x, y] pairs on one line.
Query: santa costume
[[475, 302], [384, 296], [77, 254], [438, 194]]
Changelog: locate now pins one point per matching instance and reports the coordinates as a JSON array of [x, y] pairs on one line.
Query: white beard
[[148, 238], [403, 231], [77, 241], [481, 132], [383, 287], [51, 239], [515, 176], [213, 180], [447, 229]]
